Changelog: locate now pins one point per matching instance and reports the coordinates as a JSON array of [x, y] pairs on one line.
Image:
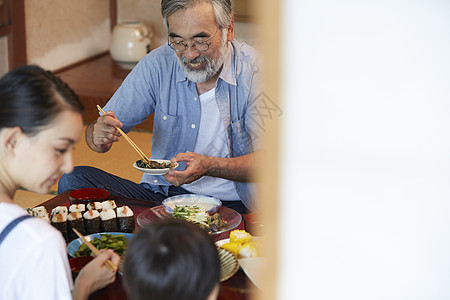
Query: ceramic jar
[[130, 42]]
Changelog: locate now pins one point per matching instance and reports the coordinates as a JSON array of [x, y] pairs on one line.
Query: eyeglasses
[[197, 45]]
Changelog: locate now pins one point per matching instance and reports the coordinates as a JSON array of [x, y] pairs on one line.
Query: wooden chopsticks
[[139, 151], [109, 264]]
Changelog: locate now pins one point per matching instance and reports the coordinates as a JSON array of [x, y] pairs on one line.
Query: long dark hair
[[31, 97], [171, 260]]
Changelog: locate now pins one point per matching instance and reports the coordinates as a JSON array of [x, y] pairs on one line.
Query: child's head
[[172, 259]]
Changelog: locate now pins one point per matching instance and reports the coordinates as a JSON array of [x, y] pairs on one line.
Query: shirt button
[[155, 180], [165, 118], [195, 98], [193, 126]]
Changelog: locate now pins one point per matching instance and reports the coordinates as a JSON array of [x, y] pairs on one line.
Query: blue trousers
[[90, 177]]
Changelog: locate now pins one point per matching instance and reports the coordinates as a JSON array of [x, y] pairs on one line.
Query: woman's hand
[[95, 275]]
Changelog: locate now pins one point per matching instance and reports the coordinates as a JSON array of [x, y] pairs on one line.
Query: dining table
[[237, 287]]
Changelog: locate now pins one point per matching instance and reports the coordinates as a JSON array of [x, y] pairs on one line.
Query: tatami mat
[[118, 161]]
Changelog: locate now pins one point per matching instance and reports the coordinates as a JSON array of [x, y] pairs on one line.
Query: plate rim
[[224, 277], [223, 241], [92, 235], [216, 201]]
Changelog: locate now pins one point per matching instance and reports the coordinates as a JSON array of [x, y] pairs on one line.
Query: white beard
[[211, 68]]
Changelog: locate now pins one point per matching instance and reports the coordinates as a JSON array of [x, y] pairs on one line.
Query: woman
[[172, 260], [40, 122]]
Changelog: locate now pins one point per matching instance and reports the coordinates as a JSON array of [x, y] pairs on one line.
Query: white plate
[[156, 171]]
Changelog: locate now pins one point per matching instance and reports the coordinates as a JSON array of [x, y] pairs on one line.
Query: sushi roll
[[94, 205], [92, 221], [75, 220], [29, 211], [59, 209], [59, 221], [77, 208], [40, 211], [109, 204], [125, 219], [108, 220], [45, 218]]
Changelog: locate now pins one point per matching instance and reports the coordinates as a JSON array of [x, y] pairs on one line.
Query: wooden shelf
[[95, 81]]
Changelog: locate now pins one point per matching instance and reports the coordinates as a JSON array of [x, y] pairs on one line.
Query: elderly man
[[202, 87]]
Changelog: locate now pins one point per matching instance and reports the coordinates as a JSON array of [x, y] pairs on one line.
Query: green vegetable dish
[[118, 243], [195, 215]]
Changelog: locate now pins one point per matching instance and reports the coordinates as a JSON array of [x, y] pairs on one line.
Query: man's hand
[[101, 134], [196, 166], [237, 168]]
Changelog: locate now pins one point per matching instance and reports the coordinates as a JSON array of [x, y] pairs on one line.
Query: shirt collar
[[227, 73]]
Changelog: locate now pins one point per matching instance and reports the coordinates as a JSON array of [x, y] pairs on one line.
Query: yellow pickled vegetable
[[250, 249], [232, 247], [240, 236], [241, 244]]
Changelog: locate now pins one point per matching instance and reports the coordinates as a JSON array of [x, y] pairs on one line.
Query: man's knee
[[72, 180], [64, 183]]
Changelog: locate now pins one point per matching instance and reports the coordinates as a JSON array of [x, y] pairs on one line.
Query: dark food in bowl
[[153, 164], [216, 223]]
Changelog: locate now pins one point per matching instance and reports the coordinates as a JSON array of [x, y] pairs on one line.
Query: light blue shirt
[[157, 84]]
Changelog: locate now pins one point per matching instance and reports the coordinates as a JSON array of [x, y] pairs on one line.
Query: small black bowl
[[83, 196]]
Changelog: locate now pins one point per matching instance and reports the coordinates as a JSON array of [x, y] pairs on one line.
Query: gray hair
[[222, 10]]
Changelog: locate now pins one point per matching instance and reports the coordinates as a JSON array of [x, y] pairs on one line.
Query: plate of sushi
[[156, 166], [118, 241], [90, 218]]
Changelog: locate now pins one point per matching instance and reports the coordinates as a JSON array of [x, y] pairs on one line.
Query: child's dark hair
[[31, 98], [169, 260]]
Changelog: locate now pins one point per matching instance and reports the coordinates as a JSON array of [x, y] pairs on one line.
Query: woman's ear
[[9, 137]]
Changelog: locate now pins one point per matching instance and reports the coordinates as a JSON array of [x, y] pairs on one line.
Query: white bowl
[[205, 203]]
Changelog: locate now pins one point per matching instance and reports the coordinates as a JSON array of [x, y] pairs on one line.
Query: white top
[[211, 141], [33, 259]]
